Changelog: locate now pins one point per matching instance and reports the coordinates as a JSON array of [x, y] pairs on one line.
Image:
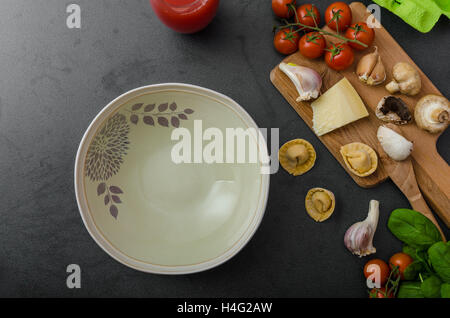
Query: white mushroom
[[432, 113], [406, 80]]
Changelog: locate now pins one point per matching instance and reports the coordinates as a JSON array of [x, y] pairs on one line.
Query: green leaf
[[411, 251], [413, 228], [431, 287], [410, 290], [412, 271], [439, 254], [445, 290]]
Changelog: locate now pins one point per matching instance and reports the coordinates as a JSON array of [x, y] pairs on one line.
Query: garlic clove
[[359, 237], [378, 74], [306, 80], [395, 145], [370, 69]]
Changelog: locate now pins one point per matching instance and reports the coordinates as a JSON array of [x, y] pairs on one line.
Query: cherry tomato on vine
[[286, 41], [339, 56], [380, 293], [312, 45], [381, 267], [306, 14], [362, 32], [281, 8], [338, 16], [402, 260]]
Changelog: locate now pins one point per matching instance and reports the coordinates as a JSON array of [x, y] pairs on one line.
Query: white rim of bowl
[[112, 251]]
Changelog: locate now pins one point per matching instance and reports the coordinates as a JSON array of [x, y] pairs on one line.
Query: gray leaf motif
[[115, 190], [116, 199], [101, 188], [134, 119], [188, 111], [136, 106], [149, 108], [173, 106], [182, 116], [106, 199], [149, 120], [163, 107], [175, 122], [114, 211], [163, 121]]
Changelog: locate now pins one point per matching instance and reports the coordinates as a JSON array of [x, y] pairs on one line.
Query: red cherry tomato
[[312, 45], [306, 14], [286, 41], [402, 260], [360, 31], [380, 293], [281, 8], [339, 56], [338, 16], [377, 267]]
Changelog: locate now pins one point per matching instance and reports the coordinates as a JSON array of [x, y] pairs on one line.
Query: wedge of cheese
[[337, 107]]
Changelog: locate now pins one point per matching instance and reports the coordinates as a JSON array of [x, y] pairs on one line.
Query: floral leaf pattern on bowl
[[164, 115], [104, 157], [106, 152], [109, 146], [111, 197]]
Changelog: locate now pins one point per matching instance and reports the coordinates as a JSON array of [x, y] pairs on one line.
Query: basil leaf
[[413, 228], [431, 287], [411, 251], [410, 290], [439, 254], [412, 271], [445, 290]]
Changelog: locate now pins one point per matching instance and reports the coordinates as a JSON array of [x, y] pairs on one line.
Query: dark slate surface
[[54, 81]]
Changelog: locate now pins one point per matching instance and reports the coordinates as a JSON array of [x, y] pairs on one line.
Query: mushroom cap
[[320, 204], [359, 158], [432, 113], [297, 156]]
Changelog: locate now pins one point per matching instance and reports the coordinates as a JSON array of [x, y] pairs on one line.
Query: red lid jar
[[185, 16]]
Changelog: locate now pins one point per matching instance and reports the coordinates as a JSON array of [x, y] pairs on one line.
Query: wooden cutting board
[[432, 172]]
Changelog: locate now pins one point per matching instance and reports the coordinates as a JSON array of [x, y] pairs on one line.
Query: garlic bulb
[[359, 237], [306, 80], [395, 145]]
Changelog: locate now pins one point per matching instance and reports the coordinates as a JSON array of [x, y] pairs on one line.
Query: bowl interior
[[154, 211]]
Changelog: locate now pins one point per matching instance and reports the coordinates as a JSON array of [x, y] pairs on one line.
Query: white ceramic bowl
[[150, 213]]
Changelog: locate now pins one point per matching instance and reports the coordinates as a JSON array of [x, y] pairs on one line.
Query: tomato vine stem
[[316, 28]]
